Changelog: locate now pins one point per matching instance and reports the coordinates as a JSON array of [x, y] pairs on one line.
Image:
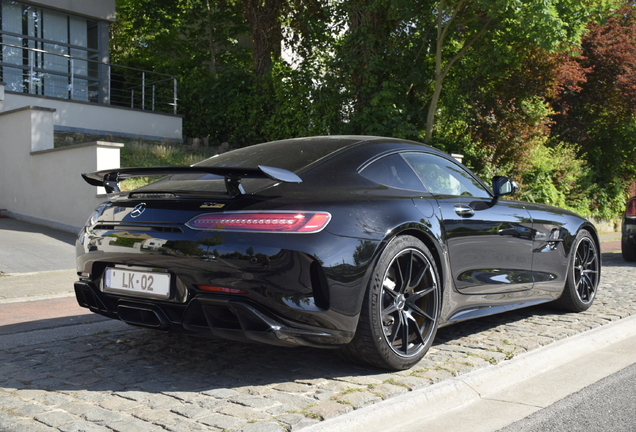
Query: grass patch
[[509, 354], [308, 414], [144, 154], [136, 182], [349, 391], [392, 381], [140, 153], [346, 392], [490, 360]]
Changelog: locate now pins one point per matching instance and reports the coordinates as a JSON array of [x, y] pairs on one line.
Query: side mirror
[[504, 186]]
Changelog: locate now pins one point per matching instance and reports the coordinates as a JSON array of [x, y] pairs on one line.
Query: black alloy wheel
[[583, 275], [400, 313]]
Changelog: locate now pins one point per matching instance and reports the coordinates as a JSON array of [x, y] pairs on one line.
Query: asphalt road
[[607, 405]]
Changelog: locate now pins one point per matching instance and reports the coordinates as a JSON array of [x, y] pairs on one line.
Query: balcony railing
[[47, 73]]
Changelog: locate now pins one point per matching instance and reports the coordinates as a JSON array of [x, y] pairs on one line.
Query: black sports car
[[628, 231], [366, 244]]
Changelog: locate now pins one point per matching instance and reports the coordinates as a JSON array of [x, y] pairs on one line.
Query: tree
[[174, 36], [508, 112], [551, 24], [601, 117], [264, 17], [508, 83]]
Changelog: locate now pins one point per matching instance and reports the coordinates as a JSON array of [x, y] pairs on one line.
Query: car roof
[[321, 160], [300, 154]]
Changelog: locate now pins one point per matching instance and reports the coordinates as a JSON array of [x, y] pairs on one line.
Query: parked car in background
[[628, 231], [366, 244]]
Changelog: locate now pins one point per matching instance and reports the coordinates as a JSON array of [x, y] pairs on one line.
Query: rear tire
[[583, 275], [400, 312]]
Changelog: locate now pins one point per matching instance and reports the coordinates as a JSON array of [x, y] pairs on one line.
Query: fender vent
[[319, 285]]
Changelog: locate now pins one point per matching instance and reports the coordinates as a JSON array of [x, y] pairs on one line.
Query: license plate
[[137, 283]]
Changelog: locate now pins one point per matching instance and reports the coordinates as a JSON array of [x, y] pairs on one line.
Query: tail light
[[221, 289], [631, 208], [292, 222]]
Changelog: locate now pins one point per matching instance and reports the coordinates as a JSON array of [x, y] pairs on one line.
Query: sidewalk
[[28, 248], [35, 261], [16, 287], [36, 278], [610, 242]]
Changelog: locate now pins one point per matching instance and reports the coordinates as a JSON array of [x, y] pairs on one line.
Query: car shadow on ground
[[145, 360], [615, 259]]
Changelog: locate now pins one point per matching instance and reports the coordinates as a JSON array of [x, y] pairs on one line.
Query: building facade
[[56, 52], [55, 76]]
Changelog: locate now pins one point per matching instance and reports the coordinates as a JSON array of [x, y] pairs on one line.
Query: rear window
[[292, 155]]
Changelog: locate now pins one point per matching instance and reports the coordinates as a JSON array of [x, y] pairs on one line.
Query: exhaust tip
[[142, 316]]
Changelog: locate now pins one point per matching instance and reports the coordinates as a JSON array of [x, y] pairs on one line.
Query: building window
[[48, 53]]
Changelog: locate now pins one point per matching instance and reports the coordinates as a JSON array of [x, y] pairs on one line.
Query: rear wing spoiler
[[110, 178]]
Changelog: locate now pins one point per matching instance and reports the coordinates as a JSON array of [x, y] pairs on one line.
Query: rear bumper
[[628, 230], [209, 316]]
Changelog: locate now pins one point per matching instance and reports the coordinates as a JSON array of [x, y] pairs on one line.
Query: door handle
[[464, 211]]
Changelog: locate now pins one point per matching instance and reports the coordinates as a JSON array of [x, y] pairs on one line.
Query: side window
[[394, 172], [443, 177]]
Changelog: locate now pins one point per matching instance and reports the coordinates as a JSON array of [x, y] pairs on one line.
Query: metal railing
[[79, 78]]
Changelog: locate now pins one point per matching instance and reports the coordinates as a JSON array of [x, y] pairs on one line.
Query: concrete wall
[[100, 9], [44, 185], [100, 119]]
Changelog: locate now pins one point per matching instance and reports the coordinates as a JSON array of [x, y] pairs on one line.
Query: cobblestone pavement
[[142, 381]]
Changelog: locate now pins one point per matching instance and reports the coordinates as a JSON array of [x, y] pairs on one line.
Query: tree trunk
[[443, 27], [211, 40], [264, 17]]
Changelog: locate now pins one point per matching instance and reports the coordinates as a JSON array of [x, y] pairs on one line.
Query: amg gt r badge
[[210, 205]]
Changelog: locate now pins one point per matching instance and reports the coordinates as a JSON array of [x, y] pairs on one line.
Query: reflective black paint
[[308, 288]]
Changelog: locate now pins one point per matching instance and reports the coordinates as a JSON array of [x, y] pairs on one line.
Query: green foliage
[[498, 81], [173, 36], [612, 156], [368, 78], [207, 103], [499, 28], [556, 176], [599, 117]]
